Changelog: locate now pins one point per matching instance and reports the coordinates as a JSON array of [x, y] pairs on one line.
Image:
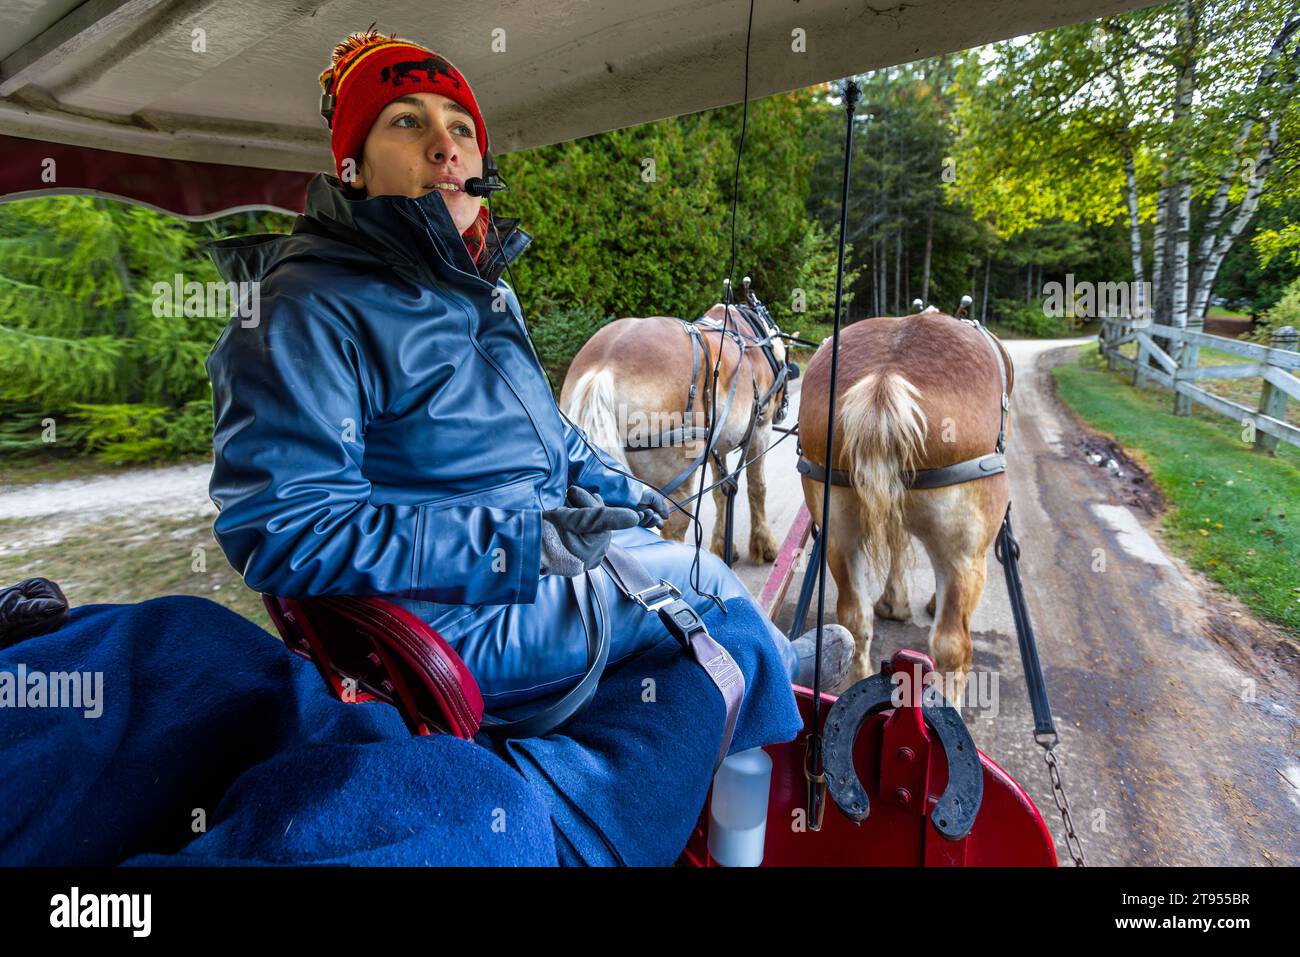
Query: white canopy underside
[[123, 74]]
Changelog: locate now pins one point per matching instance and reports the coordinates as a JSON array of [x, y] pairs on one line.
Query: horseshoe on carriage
[[954, 814]]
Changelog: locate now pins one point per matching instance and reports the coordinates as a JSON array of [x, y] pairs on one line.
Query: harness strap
[[697, 345], [1002, 374], [713, 434], [1007, 551], [590, 607], [968, 471], [683, 623]]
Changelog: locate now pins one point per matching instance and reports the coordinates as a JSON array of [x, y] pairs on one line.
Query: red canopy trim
[[190, 190]]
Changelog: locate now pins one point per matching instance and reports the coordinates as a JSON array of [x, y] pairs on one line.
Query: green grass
[[1234, 512], [116, 562], [34, 469]]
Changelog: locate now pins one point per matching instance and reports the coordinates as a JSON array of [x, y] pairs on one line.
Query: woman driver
[[384, 428]]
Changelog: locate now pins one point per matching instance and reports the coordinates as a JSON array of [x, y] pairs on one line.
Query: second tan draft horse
[[642, 389]]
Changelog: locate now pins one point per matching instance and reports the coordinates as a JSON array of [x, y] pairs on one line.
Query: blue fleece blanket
[[198, 739]]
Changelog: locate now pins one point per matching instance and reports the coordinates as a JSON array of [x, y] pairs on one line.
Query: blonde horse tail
[[591, 407], [884, 432]]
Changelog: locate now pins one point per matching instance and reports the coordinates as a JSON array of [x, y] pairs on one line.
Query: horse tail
[[884, 432], [591, 407]]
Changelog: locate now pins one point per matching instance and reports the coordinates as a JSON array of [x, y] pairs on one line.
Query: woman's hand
[[653, 509], [576, 537]]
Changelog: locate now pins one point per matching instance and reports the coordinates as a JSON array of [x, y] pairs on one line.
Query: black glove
[[30, 608], [575, 538], [653, 509]]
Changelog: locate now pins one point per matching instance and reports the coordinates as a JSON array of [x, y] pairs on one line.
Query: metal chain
[[1072, 842]]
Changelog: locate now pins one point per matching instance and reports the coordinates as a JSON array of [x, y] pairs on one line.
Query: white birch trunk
[[1209, 266], [1135, 230], [1158, 253], [1182, 255], [1214, 246]]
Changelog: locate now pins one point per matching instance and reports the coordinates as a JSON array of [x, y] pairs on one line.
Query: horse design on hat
[[431, 67]]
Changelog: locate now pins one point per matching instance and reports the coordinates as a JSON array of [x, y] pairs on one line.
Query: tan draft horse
[[629, 388], [920, 392]]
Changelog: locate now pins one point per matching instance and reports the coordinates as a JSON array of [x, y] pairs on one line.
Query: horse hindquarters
[[884, 432]]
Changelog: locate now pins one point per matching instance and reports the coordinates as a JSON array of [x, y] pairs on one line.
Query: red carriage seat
[[368, 649]]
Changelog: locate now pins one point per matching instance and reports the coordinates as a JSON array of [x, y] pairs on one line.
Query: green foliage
[[135, 432], [901, 140], [1258, 270], [1285, 313], [124, 432], [80, 341], [1028, 319], [1045, 121], [638, 221], [560, 333]]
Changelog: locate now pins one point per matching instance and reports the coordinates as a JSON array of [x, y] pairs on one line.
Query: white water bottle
[[738, 812]]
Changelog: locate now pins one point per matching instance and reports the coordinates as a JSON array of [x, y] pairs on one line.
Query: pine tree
[[80, 343]]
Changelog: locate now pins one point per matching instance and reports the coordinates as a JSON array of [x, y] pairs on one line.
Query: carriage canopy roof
[[190, 104]]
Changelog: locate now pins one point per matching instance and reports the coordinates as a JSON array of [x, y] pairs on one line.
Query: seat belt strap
[[684, 624]]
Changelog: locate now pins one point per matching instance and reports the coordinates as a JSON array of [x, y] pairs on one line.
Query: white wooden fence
[[1275, 364]]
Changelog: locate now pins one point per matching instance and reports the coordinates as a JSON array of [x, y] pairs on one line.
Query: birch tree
[[1170, 119]]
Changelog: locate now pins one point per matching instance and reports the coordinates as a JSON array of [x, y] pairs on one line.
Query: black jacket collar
[[416, 235]]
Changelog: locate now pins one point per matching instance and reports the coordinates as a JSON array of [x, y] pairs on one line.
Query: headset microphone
[[489, 182], [477, 186]]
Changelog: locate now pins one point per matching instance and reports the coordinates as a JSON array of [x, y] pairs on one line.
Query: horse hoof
[[762, 553], [886, 610]]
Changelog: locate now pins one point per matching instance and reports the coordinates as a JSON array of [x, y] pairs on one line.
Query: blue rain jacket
[[382, 427]]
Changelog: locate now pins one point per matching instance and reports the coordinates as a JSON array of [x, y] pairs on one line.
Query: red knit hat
[[368, 71]]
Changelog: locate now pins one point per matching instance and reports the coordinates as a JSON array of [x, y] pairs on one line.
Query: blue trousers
[[523, 653]]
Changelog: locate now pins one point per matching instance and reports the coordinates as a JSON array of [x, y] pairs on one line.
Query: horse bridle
[[968, 471], [763, 332]]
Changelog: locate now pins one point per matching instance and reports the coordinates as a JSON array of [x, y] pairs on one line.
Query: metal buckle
[[658, 596]]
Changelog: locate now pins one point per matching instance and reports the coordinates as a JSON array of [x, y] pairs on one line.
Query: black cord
[[676, 506], [713, 384], [722, 339]]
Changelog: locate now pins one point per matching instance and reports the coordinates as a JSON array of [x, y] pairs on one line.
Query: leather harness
[[968, 471], [760, 337]]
